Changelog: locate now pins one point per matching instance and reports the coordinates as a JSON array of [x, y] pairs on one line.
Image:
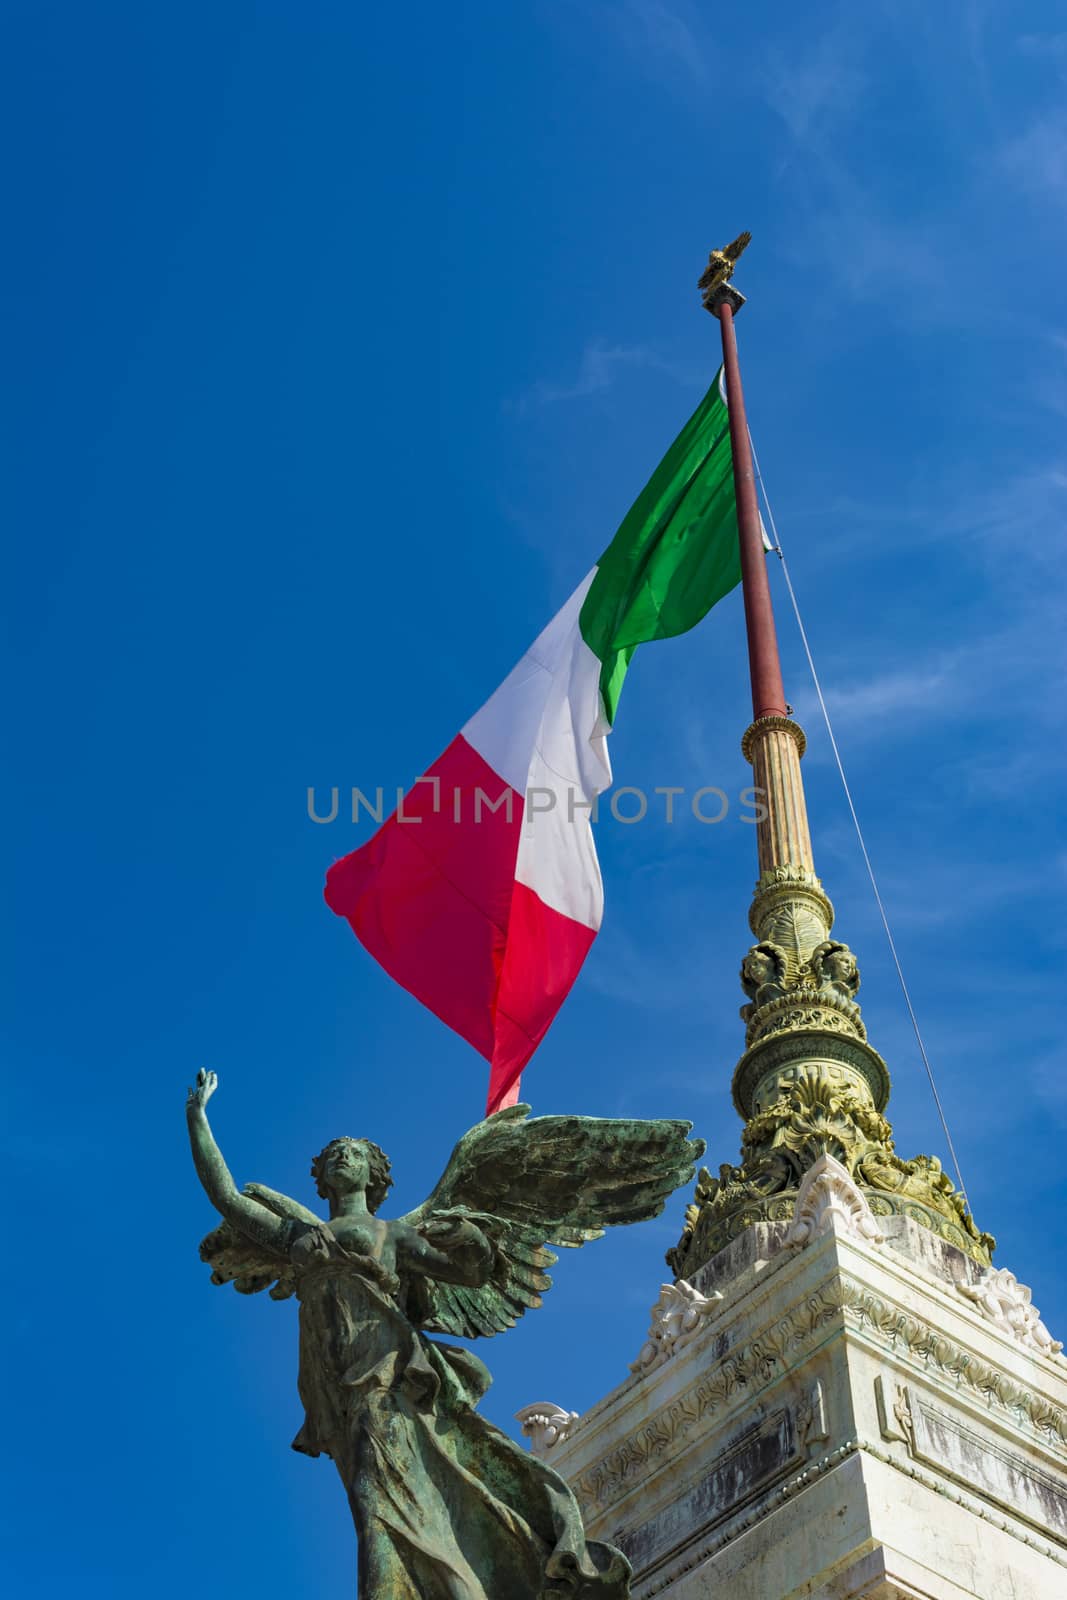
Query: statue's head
[[349, 1164]]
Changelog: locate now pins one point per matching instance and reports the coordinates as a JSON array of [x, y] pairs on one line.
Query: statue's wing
[[530, 1184], [742, 242], [234, 1258], [516, 1281]]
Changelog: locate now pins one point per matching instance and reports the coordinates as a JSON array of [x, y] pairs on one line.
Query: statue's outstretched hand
[[206, 1084]]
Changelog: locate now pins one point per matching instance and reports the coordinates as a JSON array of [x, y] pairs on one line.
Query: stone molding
[[743, 1372], [757, 1362], [677, 1317], [943, 1441], [829, 1202], [1008, 1305], [545, 1424], [704, 1551], [990, 1386]]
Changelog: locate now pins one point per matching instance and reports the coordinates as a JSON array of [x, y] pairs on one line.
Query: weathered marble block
[[854, 1417]]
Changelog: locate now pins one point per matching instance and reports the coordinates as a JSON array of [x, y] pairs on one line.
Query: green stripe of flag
[[675, 554]]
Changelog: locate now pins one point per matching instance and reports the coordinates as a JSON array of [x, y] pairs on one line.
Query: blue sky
[[340, 339]]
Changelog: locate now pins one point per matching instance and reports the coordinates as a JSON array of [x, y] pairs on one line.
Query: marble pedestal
[[846, 1420]]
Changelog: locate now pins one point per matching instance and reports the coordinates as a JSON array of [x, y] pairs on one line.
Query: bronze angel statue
[[446, 1506]]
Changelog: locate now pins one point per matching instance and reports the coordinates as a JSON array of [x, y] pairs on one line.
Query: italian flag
[[482, 893]]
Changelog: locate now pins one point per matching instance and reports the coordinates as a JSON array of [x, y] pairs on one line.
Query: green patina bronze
[[446, 1506]]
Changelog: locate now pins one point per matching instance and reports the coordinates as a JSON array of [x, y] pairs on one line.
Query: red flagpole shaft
[[768, 694]]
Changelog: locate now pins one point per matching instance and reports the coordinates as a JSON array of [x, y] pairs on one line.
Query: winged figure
[[721, 264], [446, 1506]]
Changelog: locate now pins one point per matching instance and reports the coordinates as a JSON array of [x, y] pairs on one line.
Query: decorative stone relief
[[763, 976], [799, 979], [836, 975], [904, 1333], [677, 1318], [828, 1200], [544, 1424], [750, 1367], [802, 1112], [1007, 1303], [894, 1410], [811, 1415]]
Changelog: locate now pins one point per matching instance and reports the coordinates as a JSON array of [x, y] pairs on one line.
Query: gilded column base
[[808, 1084], [805, 1094]]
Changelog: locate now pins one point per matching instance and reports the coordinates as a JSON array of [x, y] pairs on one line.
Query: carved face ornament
[[757, 967]]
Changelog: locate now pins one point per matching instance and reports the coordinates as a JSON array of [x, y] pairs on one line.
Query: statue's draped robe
[[446, 1506]]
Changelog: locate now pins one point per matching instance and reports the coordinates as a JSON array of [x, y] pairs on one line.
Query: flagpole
[[773, 743], [768, 694], [808, 1085]]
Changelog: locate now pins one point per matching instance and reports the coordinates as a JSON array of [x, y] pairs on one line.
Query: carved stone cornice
[[761, 1360], [906, 1334], [744, 1372]]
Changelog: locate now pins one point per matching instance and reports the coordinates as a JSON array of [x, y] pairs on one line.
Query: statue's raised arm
[[446, 1506], [251, 1248]]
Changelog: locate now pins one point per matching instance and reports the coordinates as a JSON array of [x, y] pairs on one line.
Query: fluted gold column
[[774, 745]]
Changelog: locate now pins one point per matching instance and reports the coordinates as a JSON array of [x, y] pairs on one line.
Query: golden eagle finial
[[720, 267]]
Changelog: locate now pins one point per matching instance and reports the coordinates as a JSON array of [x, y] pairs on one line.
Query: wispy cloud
[[889, 694], [1011, 775], [1015, 670], [1049, 1081], [1048, 48], [872, 255], [660, 34], [598, 370], [1037, 158], [814, 91], [667, 42], [953, 892]]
